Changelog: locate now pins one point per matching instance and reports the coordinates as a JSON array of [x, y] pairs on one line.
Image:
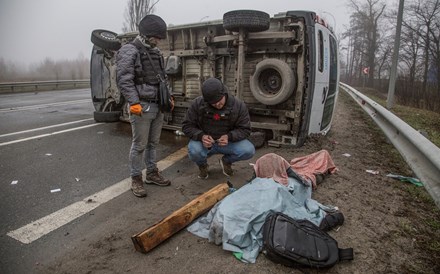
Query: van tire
[[249, 20], [106, 116], [273, 82], [105, 39]]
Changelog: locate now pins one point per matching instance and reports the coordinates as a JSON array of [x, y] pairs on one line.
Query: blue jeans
[[233, 152], [146, 131]]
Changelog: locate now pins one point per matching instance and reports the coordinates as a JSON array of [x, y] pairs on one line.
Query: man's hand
[[223, 140], [136, 109], [207, 141]]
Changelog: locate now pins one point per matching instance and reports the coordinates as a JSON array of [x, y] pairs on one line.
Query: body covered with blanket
[[236, 222]]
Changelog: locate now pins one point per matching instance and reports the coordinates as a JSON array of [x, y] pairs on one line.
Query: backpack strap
[[345, 254]]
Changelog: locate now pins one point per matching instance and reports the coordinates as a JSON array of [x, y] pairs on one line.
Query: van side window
[[320, 51], [333, 66]]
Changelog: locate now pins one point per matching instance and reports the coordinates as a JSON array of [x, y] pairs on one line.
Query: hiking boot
[[154, 177], [137, 186], [227, 168], [203, 174]]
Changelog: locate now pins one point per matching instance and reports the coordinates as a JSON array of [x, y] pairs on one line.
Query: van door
[[326, 81]]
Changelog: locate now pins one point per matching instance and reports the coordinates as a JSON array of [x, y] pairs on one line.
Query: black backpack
[[300, 243]]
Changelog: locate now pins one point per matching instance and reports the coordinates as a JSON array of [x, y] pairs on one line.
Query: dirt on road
[[393, 226]]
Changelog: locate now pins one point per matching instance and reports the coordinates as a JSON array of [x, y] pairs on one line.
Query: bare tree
[[367, 14], [425, 13], [135, 11]]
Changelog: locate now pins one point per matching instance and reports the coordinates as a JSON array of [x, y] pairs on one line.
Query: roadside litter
[[374, 172], [55, 190], [14, 182], [401, 178]]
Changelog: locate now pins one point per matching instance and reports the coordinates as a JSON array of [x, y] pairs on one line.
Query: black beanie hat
[[213, 90], [153, 26]]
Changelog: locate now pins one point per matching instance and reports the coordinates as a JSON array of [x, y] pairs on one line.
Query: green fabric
[[238, 255], [401, 178]]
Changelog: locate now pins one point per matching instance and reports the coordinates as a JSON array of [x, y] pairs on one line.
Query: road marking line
[[48, 134], [45, 105], [37, 229], [41, 128]]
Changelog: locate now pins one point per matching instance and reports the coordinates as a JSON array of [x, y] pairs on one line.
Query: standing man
[[217, 123], [137, 66]]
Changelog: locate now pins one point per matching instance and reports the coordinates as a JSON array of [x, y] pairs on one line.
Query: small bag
[[300, 243], [165, 100]]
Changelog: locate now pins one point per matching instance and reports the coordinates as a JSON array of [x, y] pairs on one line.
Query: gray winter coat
[[127, 60]]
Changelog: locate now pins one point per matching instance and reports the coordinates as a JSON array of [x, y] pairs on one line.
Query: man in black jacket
[[217, 123]]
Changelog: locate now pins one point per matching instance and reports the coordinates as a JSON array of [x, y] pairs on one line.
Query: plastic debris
[[14, 182], [346, 155], [238, 255], [48, 154], [55, 190], [375, 172], [77, 179], [401, 178]]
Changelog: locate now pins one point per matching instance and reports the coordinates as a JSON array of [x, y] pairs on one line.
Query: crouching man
[[217, 123]]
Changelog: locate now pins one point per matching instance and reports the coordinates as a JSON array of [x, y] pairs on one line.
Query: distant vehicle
[[285, 69]]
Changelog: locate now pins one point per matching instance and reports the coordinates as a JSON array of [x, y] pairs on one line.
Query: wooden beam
[[159, 232]]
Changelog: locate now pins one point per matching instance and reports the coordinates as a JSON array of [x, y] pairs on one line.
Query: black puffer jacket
[[127, 61], [233, 119]]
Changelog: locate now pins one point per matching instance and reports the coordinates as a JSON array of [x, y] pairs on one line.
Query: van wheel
[[273, 82], [250, 20], [106, 116], [105, 39]]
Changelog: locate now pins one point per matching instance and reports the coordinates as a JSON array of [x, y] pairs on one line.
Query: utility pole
[[393, 74]]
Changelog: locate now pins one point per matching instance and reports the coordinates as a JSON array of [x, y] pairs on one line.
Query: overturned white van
[[285, 68]]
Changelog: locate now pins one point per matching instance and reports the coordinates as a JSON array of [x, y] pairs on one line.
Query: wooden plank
[[159, 232]]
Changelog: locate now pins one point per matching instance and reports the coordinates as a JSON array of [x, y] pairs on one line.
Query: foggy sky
[[31, 30]]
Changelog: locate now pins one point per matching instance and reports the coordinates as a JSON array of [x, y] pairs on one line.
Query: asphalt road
[[53, 155]]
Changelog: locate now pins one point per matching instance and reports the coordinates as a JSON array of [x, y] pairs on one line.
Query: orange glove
[[136, 109]]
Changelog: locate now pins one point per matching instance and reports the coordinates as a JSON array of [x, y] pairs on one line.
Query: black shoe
[[203, 171], [227, 168], [331, 221]]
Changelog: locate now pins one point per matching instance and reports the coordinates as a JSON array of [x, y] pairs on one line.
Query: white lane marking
[[41, 128], [36, 229], [48, 134], [45, 105]]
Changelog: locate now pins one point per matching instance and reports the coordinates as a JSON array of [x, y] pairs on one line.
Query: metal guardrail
[[43, 85], [421, 154]]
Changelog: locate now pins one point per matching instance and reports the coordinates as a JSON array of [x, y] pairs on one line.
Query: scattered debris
[[77, 179], [55, 190], [375, 172], [14, 182], [346, 155], [48, 154], [401, 178]]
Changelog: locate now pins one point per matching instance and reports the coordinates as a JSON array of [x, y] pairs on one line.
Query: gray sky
[[31, 30]]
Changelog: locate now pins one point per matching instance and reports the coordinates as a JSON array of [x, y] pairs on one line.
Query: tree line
[[46, 70], [368, 43]]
